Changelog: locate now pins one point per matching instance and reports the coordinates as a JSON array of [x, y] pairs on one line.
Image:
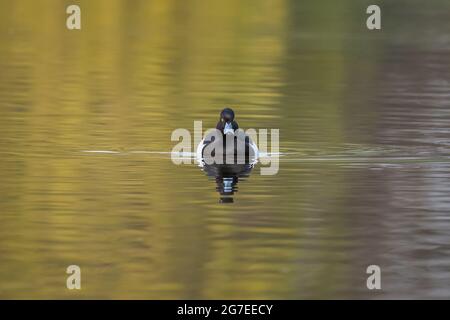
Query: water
[[86, 170]]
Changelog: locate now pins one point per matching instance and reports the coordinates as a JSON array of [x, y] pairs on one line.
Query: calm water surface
[[364, 121]]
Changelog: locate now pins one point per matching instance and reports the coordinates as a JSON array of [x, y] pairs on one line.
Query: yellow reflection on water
[[136, 224]]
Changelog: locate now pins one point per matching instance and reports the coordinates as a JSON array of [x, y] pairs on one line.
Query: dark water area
[[86, 175]]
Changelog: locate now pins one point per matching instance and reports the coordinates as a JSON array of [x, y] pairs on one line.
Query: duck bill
[[228, 128]]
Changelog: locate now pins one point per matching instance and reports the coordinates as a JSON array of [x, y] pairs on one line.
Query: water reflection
[[227, 177], [363, 119]]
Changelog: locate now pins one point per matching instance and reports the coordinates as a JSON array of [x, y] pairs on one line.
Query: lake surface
[[364, 177]]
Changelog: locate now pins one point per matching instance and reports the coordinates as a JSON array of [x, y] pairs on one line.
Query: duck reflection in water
[[227, 177]]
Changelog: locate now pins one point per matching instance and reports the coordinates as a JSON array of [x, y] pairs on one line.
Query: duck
[[227, 142]]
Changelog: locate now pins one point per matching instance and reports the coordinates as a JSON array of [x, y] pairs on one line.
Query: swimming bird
[[227, 142]]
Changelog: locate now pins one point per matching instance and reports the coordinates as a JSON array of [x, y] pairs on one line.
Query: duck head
[[227, 118]]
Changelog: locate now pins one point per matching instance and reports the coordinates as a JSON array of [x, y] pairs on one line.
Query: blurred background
[[364, 131]]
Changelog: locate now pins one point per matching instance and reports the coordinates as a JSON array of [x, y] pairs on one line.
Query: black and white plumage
[[227, 141]]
